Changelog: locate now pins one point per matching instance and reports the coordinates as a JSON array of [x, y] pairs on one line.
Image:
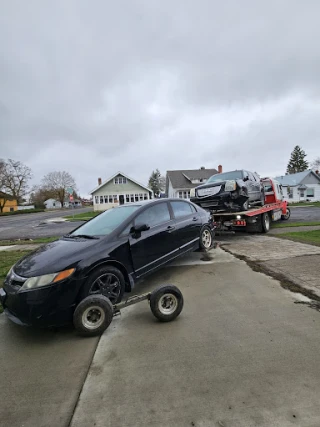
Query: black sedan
[[235, 190], [106, 255]]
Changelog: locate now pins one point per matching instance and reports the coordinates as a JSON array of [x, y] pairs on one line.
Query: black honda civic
[[105, 255]]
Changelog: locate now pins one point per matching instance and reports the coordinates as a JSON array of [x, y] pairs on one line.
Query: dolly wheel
[[93, 315], [166, 303]]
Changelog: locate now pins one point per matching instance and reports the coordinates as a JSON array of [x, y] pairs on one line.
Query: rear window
[[181, 209]]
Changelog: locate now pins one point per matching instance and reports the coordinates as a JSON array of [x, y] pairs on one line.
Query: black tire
[[206, 238], [265, 222], [287, 215], [93, 315], [95, 287], [166, 303]]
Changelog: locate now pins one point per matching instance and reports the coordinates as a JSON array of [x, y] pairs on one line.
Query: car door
[[188, 224], [155, 246]]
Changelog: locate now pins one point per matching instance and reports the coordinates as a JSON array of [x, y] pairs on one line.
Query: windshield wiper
[[83, 236]]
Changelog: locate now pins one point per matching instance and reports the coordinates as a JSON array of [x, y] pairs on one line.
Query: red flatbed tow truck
[[256, 219]]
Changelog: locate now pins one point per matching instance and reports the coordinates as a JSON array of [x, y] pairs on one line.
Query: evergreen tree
[[156, 182], [297, 162]]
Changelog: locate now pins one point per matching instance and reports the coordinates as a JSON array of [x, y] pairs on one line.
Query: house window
[[110, 199], [301, 193], [132, 198], [120, 179], [136, 197], [116, 180], [184, 194], [96, 200], [124, 180], [115, 199], [101, 199], [310, 192], [127, 198], [141, 196], [145, 196], [105, 199]]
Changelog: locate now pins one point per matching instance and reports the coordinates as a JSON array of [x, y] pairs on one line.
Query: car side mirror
[[139, 228], [246, 178]]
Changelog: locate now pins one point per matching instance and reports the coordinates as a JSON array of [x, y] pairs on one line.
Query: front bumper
[[52, 305], [225, 200]]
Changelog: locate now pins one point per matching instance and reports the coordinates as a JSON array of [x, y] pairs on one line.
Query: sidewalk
[[290, 262]]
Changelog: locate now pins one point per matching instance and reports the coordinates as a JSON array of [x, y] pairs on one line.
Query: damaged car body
[[232, 191]]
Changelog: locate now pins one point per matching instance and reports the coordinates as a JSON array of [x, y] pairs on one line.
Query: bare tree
[[57, 183], [3, 195], [315, 165], [15, 177]]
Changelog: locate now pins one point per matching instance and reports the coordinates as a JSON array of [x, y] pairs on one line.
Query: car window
[[181, 209], [226, 176], [106, 222], [155, 215], [251, 177]]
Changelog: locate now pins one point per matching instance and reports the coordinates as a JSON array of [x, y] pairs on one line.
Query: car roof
[[154, 201]]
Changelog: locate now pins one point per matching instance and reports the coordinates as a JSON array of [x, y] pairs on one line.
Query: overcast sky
[[93, 87]]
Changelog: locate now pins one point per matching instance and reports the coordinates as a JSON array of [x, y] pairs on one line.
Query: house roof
[[295, 178], [6, 196], [122, 174], [183, 178]]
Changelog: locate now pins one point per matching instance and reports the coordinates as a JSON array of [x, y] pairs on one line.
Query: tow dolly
[[94, 314]]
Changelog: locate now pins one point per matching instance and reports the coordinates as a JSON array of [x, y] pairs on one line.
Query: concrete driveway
[[241, 354]]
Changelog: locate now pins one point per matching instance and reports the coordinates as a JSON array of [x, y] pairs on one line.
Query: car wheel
[[166, 303], [206, 238], [93, 315], [105, 280], [265, 222]]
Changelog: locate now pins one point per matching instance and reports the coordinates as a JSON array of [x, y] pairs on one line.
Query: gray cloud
[[96, 87]]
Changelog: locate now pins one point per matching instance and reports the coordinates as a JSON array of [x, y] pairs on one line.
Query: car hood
[[56, 256]]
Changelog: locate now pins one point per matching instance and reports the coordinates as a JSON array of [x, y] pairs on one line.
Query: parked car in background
[[235, 190], [106, 255]]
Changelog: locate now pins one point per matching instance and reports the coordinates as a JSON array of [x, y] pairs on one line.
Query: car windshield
[[106, 222], [226, 176]]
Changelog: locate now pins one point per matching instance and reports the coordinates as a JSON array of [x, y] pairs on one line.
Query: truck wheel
[[206, 238], [287, 215], [93, 315], [265, 222], [166, 303]]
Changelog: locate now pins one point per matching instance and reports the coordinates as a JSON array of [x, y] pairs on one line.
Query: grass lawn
[[311, 237], [28, 242], [285, 224], [305, 204], [83, 216], [7, 259]]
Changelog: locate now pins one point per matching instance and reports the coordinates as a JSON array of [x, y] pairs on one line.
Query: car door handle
[[195, 218], [170, 228]]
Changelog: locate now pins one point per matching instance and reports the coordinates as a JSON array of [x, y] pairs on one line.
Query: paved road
[[29, 225], [299, 214]]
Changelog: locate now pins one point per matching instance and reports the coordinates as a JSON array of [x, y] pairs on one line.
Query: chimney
[[99, 181], [220, 169], [202, 168], [317, 172]]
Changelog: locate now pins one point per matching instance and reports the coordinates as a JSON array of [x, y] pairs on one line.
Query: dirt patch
[[283, 279]]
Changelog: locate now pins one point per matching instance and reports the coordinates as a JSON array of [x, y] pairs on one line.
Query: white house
[[118, 190], [302, 186], [55, 204], [180, 182]]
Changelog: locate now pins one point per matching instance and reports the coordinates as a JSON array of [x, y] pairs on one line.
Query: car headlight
[[230, 185], [192, 192], [39, 281]]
